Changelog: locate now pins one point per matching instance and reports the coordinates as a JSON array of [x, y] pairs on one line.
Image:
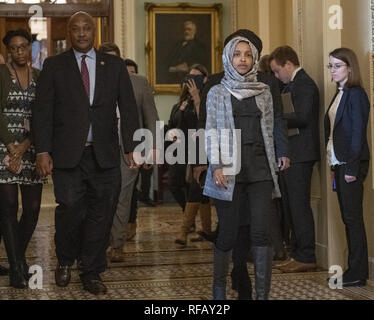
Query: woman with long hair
[[348, 156], [184, 116], [17, 155]]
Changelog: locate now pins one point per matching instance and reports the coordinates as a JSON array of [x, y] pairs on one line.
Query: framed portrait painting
[[179, 36]]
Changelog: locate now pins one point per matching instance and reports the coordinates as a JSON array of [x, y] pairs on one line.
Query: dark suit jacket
[[280, 131], [350, 129], [62, 113], [304, 147]]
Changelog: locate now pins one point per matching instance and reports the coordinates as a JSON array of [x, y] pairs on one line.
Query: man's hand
[[284, 163], [197, 171], [350, 179], [44, 165], [136, 160], [183, 67]]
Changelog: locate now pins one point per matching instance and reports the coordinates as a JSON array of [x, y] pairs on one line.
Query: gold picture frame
[[180, 35]]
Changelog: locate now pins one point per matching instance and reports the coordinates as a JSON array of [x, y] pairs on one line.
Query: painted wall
[[164, 103]]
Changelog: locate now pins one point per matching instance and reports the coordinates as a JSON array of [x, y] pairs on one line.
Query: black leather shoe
[[95, 287], [357, 283], [62, 275], [16, 277], [208, 236], [3, 271]]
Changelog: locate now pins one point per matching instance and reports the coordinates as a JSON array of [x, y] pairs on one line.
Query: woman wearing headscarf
[[242, 172], [348, 155], [17, 155]]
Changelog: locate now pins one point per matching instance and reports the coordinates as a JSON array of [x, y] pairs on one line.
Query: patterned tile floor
[[157, 269]]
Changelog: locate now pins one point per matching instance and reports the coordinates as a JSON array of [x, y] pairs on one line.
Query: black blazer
[[304, 147], [350, 129], [62, 113]]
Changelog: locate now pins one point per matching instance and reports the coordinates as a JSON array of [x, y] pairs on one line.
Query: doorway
[[50, 31]]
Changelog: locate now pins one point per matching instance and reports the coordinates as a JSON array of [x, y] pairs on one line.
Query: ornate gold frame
[[152, 9]]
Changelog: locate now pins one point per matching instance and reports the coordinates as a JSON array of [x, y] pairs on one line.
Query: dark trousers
[[86, 196], [134, 204], [17, 234], [276, 227], [298, 180], [251, 206], [285, 214], [177, 183], [350, 197], [145, 182]]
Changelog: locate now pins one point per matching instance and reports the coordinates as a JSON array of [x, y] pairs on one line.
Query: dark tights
[[17, 235]]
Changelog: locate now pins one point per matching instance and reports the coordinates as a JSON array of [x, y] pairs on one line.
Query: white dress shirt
[[333, 161]]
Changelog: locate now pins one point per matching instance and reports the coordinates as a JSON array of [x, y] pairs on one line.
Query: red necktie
[[85, 76]]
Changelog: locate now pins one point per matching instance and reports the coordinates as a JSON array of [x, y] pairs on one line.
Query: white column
[[124, 21], [264, 23]]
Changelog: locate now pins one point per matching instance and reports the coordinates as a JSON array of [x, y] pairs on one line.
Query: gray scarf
[[241, 87]]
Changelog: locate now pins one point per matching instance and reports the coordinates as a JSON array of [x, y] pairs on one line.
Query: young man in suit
[[304, 147], [148, 117], [76, 139]]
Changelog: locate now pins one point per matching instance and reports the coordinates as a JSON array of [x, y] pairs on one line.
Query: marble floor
[[155, 268]]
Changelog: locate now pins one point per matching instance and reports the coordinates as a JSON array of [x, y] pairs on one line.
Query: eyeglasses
[[22, 47], [335, 66]]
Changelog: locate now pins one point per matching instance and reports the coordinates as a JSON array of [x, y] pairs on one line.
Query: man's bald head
[[82, 29], [81, 15]]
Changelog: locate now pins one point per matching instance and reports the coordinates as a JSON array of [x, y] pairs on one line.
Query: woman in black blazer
[[348, 155]]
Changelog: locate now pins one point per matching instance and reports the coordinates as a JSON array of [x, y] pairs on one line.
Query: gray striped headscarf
[[239, 86]]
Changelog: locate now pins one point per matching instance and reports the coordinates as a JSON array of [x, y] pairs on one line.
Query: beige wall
[[270, 19]]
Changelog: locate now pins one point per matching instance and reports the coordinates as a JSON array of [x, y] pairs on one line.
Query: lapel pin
[[102, 63]]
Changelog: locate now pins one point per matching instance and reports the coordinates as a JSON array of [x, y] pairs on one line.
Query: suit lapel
[[341, 108], [76, 78]]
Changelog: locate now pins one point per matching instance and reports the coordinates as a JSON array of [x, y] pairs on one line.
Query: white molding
[[234, 15], [298, 32], [128, 29], [124, 33]]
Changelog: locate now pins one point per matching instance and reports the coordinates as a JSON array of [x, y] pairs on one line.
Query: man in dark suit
[[76, 139], [304, 146]]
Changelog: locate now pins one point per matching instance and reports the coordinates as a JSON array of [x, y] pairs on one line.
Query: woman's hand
[[12, 149], [350, 179], [17, 151], [15, 165], [193, 90], [183, 106], [220, 179]]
